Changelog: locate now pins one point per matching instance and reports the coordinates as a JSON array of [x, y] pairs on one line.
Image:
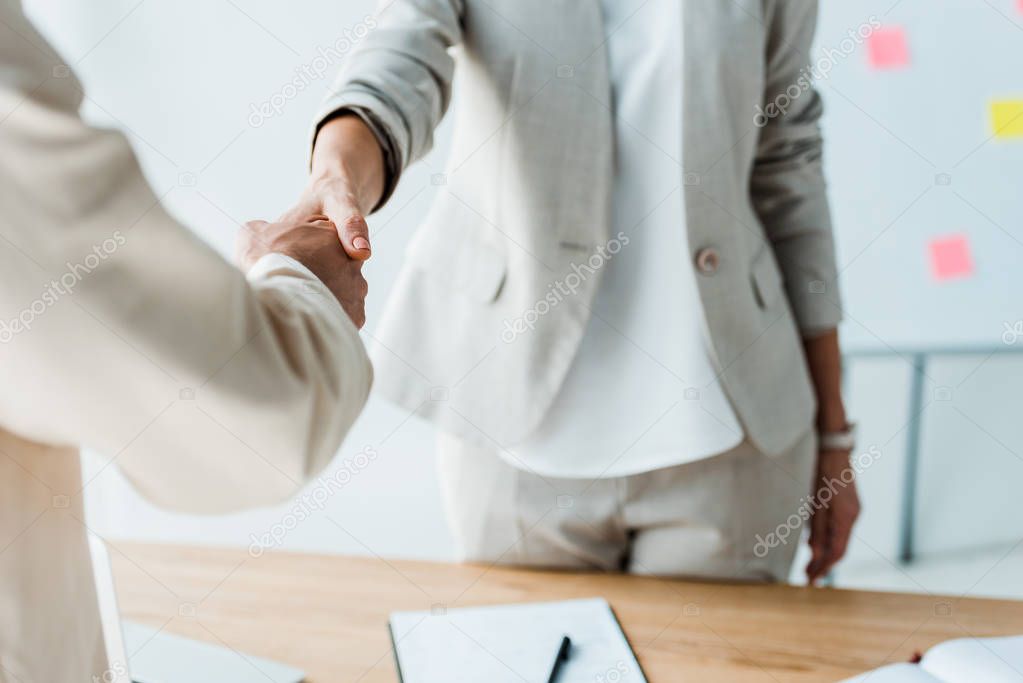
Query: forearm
[[346, 150], [825, 361], [833, 518], [787, 185], [209, 364]]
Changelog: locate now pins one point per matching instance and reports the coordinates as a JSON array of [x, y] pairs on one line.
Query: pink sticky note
[[888, 48], [950, 257]]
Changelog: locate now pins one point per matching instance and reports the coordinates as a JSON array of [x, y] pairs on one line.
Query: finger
[[839, 542], [357, 312], [354, 234], [842, 522], [818, 544], [830, 557]]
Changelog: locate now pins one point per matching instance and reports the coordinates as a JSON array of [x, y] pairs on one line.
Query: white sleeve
[[122, 331]]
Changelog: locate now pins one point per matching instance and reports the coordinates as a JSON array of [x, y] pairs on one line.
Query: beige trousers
[[705, 519]]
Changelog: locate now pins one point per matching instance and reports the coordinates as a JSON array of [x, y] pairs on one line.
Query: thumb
[[354, 235], [254, 226], [249, 243], [351, 226], [342, 209]]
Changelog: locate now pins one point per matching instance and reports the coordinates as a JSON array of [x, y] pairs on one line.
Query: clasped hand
[[321, 246]]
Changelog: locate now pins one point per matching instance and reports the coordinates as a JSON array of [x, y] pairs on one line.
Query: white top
[[642, 393]]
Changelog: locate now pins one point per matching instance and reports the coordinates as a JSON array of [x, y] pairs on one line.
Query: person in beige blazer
[[502, 326], [122, 332]]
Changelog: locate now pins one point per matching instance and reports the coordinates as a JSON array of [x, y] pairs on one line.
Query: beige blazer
[[495, 295], [121, 331]]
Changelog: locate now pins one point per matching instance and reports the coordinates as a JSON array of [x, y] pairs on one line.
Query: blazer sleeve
[[398, 78], [120, 330], [787, 183]]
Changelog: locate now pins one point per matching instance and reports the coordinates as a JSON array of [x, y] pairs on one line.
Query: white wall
[[180, 78]]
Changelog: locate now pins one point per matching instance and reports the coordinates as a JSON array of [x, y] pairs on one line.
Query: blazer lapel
[[569, 116]]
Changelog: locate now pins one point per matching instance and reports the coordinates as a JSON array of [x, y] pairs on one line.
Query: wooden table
[[328, 615]]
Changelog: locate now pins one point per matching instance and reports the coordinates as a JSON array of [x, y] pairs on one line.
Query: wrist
[[841, 441], [831, 416], [336, 187], [346, 154]]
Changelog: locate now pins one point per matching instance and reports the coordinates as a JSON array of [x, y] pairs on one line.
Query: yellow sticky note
[[1007, 118]]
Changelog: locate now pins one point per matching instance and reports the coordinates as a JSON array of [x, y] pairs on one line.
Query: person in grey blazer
[[621, 309]]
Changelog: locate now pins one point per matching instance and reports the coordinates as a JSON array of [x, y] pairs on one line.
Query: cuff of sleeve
[[816, 310], [280, 264], [385, 126], [810, 333], [299, 285]]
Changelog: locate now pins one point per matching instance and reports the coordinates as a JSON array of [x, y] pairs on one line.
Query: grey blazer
[[495, 293]]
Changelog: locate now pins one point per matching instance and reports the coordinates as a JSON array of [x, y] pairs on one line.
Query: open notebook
[[513, 643], [967, 660]]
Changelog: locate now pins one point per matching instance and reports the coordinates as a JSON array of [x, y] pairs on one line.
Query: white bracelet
[[838, 441]]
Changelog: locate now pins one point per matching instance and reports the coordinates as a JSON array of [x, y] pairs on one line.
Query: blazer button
[[707, 261]]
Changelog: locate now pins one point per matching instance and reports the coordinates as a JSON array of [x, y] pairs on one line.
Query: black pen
[[566, 644]]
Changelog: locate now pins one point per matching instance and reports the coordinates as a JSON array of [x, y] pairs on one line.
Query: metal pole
[[916, 400]]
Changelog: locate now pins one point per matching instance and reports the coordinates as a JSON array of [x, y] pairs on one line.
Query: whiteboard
[[890, 135]]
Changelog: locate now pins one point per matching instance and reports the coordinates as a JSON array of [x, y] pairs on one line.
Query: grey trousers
[[706, 519]]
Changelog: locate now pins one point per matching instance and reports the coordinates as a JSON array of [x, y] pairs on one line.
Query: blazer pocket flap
[[454, 254], [767, 279]]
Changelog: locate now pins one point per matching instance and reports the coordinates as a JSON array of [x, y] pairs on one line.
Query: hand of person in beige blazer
[[211, 389], [312, 240]]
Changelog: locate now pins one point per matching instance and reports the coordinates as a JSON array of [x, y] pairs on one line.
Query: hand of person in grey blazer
[[345, 183]]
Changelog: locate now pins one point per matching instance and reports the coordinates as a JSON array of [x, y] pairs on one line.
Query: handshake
[[326, 231], [325, 248]]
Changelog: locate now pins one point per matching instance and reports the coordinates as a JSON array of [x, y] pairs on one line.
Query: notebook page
[[514, 643], [992, 660]]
